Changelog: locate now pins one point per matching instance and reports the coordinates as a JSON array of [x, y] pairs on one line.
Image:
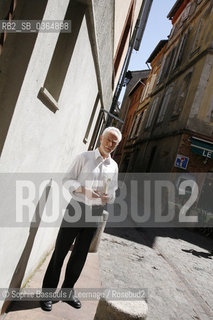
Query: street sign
[[202, 147], [181, 161]]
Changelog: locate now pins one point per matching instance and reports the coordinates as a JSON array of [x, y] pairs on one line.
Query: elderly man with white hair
[[93, 180]]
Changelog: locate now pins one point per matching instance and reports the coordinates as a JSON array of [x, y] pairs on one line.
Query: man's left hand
[[104, 197]]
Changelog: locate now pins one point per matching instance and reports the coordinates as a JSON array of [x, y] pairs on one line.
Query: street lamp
[[127, 78]]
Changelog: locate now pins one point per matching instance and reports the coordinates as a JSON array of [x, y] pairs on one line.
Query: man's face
[[108, 142]]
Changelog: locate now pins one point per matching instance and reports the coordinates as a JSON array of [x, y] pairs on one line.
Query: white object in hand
[[106, 185]]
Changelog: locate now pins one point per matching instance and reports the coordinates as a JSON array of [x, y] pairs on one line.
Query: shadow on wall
[[16, 52], [63, 51], [19, 272]]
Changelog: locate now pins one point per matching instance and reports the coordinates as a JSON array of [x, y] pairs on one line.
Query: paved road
[[175, 266]]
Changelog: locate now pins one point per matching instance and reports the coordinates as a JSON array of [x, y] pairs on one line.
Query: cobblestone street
[[174, 265]]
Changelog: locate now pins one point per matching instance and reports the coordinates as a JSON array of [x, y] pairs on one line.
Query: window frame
[[152, 112], [164, 104]]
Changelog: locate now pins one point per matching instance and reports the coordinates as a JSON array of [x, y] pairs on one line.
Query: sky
[[157, 28]]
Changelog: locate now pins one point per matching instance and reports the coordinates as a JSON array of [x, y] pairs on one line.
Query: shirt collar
[[98, 155]]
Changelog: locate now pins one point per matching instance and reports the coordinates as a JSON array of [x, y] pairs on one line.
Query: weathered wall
[[190, 105], [162, 160]]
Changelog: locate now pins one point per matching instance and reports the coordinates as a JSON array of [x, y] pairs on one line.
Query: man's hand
[[104, 197], [89, 193]]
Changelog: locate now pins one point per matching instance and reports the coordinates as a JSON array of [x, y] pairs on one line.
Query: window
[[180, 101], [135, 126], [143, 94], [186, 11], [196, 42], [145, 91], [132, 128], [164, 105], [148, 88], [152, 112], [180, 50], [161, 70], [178, 23], [129, 121], [140, 122], [209, 116], [151, 85], [166, 65], [50, 92], [169, 62]]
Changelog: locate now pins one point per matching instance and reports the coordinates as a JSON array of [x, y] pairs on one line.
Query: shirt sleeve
[[73, 173]]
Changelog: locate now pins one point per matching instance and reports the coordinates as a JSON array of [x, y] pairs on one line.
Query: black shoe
[[46, 305], [73, 300]]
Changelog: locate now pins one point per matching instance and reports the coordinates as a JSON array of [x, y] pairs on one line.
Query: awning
[[202, 147]]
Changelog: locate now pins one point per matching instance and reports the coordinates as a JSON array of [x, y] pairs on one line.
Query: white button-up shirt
[[92, 171]]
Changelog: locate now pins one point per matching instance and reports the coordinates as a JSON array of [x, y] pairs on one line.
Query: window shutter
[[186, 12], [161, 70], [151, 84], [142, 120], [180, 50], [135, 126], [152, 112], [164, 105]]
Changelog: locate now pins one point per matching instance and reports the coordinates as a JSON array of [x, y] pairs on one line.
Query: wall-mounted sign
[[202, 147], [181, 161]]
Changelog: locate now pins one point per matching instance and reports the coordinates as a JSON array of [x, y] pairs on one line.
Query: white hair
[[113, 129]]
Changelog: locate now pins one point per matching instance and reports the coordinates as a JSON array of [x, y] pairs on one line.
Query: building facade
[[55, 91], [130, 146], [128, 111], [176, 134]]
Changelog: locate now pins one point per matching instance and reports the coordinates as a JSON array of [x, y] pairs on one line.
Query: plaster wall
[[121, 11], [104, 26], [41, 141]]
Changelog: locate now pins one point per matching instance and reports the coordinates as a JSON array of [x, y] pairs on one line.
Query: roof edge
[[157, 49], [174, 9]]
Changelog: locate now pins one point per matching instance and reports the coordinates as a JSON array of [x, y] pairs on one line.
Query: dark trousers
[[83, 235]]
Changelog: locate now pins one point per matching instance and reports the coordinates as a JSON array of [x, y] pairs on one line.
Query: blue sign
[[181, 161]]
